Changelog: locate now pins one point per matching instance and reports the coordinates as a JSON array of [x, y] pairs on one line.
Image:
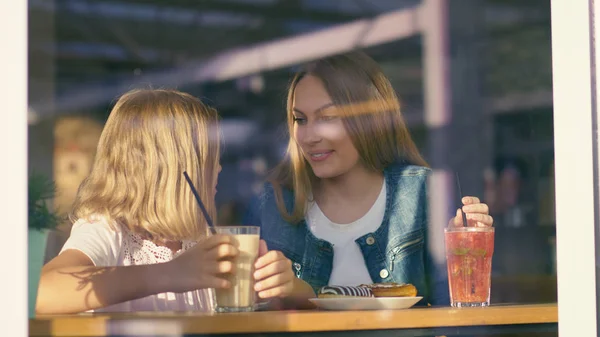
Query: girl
[[348, 204], [136, 223]]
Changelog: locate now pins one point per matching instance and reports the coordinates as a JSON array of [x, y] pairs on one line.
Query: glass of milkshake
[[241, 295]]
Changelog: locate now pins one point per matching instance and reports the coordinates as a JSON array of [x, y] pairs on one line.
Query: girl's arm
[[70, 283]]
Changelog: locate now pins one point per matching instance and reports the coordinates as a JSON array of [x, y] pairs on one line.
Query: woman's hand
[[477, 214], [203, 265], [273, 273]]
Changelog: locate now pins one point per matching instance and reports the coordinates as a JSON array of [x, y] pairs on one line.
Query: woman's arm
[[288, 291], [300, 295], [302, 289], [297, 300], [276, 280], [70, 283]]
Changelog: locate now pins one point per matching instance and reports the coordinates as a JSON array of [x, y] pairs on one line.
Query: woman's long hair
[[371, 112]]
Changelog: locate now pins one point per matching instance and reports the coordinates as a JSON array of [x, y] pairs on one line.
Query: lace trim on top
[[138, 251]]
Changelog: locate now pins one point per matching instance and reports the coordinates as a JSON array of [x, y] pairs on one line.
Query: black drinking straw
[[200, 203], [460, 196]]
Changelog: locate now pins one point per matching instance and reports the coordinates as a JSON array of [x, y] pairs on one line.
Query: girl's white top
[[108, 247]]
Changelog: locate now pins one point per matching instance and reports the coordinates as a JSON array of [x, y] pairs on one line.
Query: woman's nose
[[311, 134]]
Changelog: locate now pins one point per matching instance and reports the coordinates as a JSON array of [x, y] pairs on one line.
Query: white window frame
[[575, 114], [576, 164], [13, 170]]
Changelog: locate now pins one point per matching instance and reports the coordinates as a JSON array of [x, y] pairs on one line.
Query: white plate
[[365, 303]]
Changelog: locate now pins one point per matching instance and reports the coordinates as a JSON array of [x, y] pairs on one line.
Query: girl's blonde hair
[[370, 109], [150, 138]]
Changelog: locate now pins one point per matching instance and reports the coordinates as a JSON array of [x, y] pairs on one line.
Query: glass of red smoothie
[[469, 253]]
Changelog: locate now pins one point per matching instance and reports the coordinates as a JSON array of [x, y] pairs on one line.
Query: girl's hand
[[476, 211], [203, 265], [273, 275]]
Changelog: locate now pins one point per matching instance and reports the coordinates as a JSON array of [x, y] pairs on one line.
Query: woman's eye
[[299, 120], [328, 118]]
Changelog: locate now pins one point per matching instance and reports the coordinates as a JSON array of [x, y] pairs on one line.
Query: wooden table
[[412, 322]]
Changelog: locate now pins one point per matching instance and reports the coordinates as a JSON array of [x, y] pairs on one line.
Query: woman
[[348, 203]]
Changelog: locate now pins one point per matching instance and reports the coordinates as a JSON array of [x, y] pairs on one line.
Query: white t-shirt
[[349, 266], [110, 248]]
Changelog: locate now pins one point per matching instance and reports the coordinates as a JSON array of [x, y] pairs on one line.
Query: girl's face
[[319, 132]]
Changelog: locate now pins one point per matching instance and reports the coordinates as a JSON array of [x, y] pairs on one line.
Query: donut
[[392, 289], [344, 291]]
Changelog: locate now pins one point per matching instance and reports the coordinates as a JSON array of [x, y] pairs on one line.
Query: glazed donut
[[344, 291], [392, 289]]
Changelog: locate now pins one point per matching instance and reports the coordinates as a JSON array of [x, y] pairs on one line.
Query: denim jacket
[[395, 252]]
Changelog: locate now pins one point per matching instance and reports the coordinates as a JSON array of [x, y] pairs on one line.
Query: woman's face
[[321, 134]]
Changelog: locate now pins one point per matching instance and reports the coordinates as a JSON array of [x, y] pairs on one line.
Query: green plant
[[40, 190]]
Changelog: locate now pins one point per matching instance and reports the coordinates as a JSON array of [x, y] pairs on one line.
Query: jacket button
[[370, 240], [384, 273]]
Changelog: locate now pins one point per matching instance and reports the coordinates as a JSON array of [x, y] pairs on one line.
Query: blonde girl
[[139, 241]]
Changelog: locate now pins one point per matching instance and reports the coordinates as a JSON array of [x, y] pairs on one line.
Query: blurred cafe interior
[[239, 56]]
